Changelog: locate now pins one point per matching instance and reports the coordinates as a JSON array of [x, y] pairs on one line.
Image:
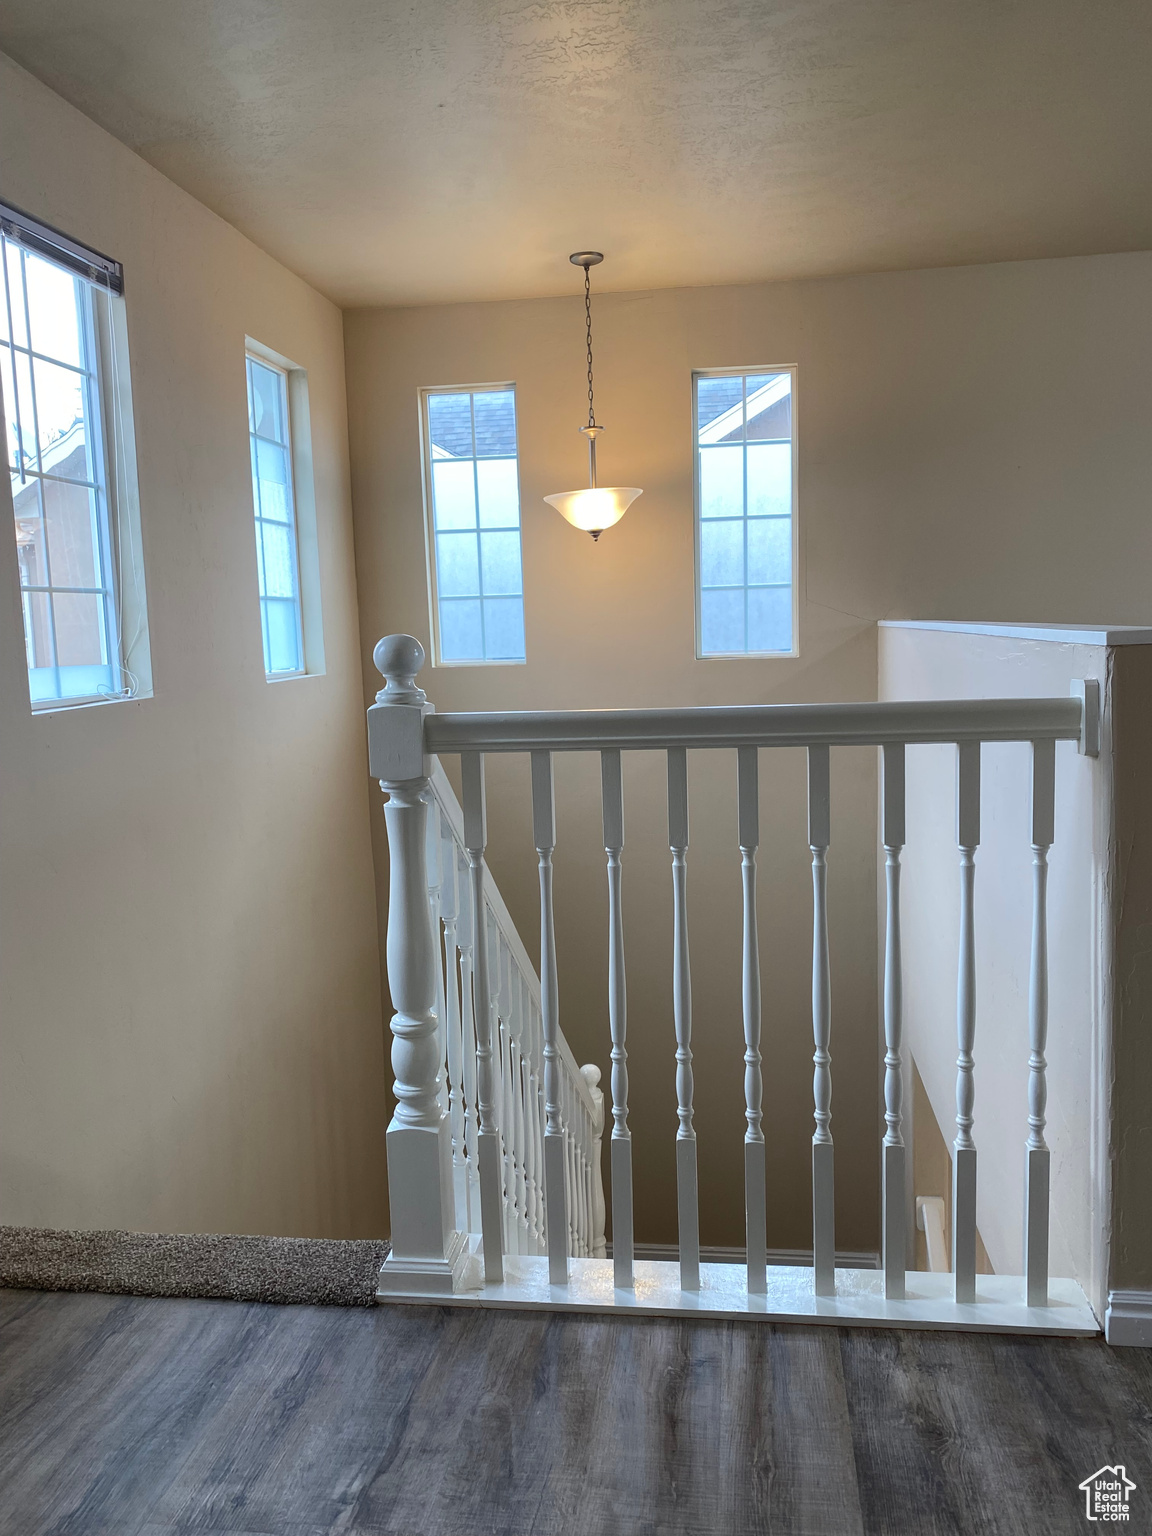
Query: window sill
[[504, 661], [750, 656], [62, 706]]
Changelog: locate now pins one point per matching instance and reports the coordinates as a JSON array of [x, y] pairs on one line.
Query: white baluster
[[488, 1135], [432, 859], [586, 1178], [449, 914], [428, 1252], [755, 1172], [521, 1152], [569, 1200], [524, 1089], [687, 1199], [574, 1166], [895, 1192], [573, 1184], [591, 1075], [464, 935], [544, 832], [536, 1118], [1037, 1176], [823, 1184], [612, 792], [538, 1056], [505, 1113], [964, 1158], [507, 1101]]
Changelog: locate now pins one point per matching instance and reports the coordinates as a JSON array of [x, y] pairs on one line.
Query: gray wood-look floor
[[129, 1417]]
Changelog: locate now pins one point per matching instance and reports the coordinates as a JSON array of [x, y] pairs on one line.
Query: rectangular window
[[745, 513], [474, 524], [65, 390], [274, 501]]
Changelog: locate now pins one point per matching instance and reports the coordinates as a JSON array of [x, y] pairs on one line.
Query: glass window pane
[[499, 493], [769, 551], [54, 311], [495, 417], [31, 540], [769, 479], [722, 482], [450, 425], [38, 643], [461, 638], [278, 576], [722, 554], [770, 619], [719, 407], [722, 622], [71, 514], [769, 405], [771, 417], [60, 419], [272, 469], [504, 629], [501, 557], [17, 384], [16, 293], [283, 635], [80, 637], [454, 494], [266, 405], [457, 565]]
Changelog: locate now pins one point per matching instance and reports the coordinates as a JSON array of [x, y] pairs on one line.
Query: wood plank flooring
[[129, 1417]]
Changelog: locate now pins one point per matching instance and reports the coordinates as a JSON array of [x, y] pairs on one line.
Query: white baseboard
[[669, 1253], [1128, 1319]]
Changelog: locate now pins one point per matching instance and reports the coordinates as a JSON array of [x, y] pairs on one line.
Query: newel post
[[428, 1255]]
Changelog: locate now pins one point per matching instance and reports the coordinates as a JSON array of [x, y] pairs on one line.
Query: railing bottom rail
[[929, 1300]]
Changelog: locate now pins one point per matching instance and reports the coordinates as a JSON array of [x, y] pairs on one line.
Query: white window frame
[[107, 392], [302, 503], [430, 522], [736, 373]]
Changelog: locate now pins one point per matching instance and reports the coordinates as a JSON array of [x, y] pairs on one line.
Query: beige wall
[[973, 443], [190, 1032]]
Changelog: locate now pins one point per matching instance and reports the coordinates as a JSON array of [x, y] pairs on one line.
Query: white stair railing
[[519, 1143], [517, 1054], [471, 1055]]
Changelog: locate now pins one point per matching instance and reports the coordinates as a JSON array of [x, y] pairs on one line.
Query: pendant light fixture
[[599, 506]]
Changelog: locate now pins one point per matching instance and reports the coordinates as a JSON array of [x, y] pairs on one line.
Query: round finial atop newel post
[[398, 658]]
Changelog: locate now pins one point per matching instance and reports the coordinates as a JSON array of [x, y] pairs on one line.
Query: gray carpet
[[320, 1271]]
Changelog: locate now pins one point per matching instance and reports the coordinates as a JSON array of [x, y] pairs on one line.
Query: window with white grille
[[474, 524], [745, 512], [65, 392]]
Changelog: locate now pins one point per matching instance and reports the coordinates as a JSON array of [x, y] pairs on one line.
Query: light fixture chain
[[588, 317]]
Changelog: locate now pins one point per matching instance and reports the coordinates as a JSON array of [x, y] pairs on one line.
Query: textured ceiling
[[456, 149]]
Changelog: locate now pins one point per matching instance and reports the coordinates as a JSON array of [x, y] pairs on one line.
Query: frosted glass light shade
[[593, 511]]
